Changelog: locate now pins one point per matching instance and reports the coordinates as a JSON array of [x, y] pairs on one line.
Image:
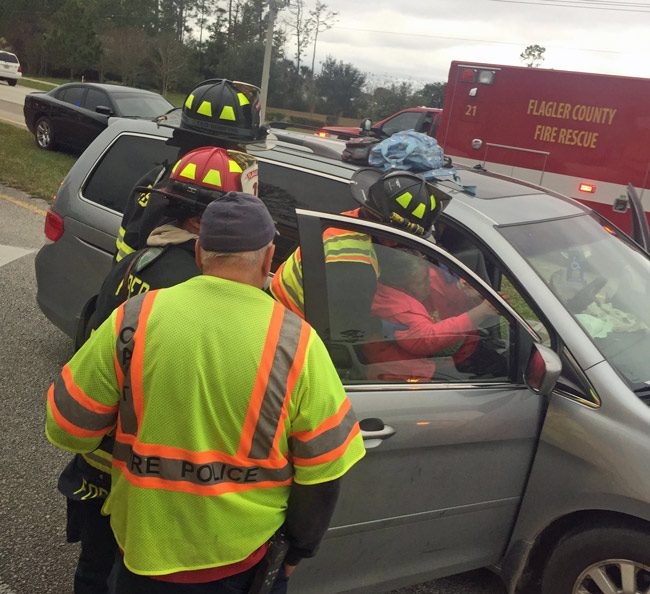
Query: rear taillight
[[53, 226], [20, 69]]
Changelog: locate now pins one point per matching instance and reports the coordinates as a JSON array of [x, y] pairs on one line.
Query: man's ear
[[268, 260], [197, 255], [194, 225]]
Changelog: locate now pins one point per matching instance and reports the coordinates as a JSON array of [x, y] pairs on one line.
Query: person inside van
[[429, 319]]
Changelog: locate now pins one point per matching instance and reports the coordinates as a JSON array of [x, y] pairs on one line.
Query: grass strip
[[41, 84], [28, 168]]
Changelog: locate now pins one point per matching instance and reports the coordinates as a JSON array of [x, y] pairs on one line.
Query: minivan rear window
[[128, 159], [7, 57]]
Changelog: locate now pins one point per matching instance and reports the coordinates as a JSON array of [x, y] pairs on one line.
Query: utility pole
[[274, 6]]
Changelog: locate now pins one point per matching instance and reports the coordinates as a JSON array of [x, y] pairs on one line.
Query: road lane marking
[[9, 253], [24, 205]]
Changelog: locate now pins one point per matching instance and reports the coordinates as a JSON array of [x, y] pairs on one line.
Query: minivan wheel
[[44, 134], [12, 83], [600, 561]]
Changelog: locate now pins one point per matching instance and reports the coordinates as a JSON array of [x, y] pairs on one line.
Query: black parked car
[[74, 114]]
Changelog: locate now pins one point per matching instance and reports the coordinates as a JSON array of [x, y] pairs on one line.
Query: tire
[[44, 134], [12, 82], [599, 561]]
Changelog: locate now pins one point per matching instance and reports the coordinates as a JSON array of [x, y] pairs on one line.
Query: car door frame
[[92, 123], [393, 571], [67, 119]]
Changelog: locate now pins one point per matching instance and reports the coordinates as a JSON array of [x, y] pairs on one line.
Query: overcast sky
[[417, 39]]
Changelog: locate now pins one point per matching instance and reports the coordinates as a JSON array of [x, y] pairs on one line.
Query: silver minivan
[[536, 467]]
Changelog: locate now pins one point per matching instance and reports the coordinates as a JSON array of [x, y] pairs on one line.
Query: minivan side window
[[284, 190], [478, 259], [127, 160], [396, 316]]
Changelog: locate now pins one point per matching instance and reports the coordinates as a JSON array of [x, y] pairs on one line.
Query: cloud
[[419, 39]]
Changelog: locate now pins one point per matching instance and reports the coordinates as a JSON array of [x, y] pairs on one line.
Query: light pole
[[274, 6]]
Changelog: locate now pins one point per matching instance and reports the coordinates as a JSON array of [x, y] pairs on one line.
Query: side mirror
[[104, 110], [366, 126], [543, 370]]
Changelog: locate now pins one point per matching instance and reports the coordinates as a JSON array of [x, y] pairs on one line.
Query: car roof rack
[[322, 147]]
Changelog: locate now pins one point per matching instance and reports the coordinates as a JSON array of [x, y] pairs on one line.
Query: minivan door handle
[[374, 432]]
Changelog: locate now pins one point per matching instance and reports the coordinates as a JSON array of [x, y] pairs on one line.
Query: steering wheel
[[581, 300]]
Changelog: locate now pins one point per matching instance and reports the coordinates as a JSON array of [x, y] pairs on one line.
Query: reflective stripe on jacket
[[224, 398], [142, 213], [339, 245]]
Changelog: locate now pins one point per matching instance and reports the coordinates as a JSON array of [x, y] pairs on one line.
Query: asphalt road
[[12, 100], [34, 558]]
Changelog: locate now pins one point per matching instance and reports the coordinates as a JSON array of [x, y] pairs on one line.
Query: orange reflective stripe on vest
[[280, 366], [201, 473], [326, 441], [129, 352], [258, 463], [74, 411]]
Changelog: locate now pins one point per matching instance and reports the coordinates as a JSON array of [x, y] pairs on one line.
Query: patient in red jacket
[[426, 314]]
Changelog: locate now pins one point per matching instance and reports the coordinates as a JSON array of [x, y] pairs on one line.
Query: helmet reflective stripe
[[189, 171], [227, 113], [419, 211], [404, 199], [213, 177], [433, 201], [189, 101], [243, 100], [205, 109], [175, 167], [234, 167]]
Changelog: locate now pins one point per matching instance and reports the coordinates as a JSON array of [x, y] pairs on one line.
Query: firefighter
[[218, 396], [197, 178], [218, 112], [398, 198]]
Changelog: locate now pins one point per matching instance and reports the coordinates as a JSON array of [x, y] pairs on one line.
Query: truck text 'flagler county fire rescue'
[[584, 135]]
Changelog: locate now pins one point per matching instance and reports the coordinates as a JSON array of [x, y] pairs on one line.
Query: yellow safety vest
[[221, 398]]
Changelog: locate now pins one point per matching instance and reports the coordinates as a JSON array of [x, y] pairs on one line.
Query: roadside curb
[[36, 80], [23, 200], [13, 123]]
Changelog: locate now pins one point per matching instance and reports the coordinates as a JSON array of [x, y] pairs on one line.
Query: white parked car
[[10, 69]]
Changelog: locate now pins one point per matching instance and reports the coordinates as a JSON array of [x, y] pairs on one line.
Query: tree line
[[169, 45]]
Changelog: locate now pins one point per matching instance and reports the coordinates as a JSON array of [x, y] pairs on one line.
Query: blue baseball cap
[[236, 222]]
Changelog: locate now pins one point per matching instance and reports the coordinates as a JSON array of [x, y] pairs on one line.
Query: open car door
[[640, 229], [450, 434]]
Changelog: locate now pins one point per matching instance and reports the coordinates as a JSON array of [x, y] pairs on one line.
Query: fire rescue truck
[[583, 135]]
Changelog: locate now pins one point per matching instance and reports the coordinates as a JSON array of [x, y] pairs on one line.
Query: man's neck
[[234, 274]]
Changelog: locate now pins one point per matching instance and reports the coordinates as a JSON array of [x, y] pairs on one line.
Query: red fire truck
[[584, 135]]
